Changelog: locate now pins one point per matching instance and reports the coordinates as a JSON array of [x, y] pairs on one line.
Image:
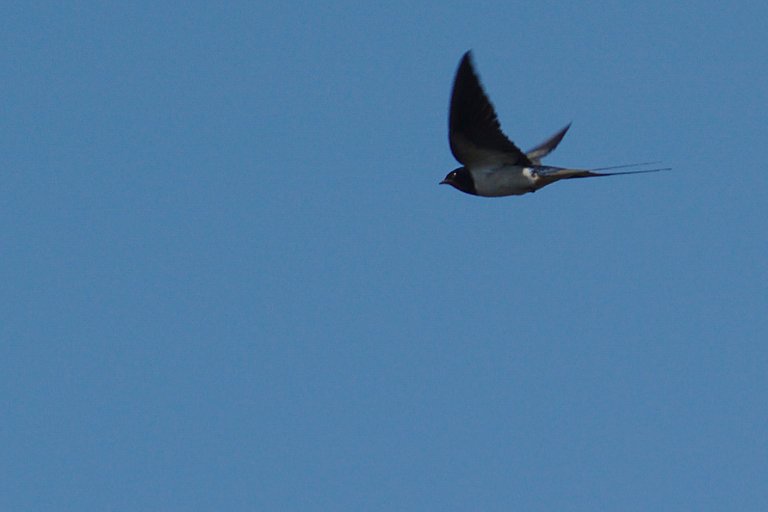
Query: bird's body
[[492, 165], [506, 180]]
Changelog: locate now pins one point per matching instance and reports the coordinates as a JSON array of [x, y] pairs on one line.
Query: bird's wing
[[473, 128], [536, 154]]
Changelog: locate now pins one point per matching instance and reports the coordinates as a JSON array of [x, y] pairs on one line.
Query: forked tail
[[551, 174], [626, 166]]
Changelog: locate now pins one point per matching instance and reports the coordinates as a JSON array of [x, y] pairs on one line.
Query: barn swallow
[[492, 165]]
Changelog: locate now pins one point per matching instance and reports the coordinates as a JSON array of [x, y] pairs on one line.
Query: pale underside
[[515, 180], [510, 180]]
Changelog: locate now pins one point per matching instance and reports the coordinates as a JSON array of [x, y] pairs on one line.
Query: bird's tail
[[627, 166], [550, 174]]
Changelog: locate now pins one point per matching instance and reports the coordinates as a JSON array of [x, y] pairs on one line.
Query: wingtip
[[466, 66]]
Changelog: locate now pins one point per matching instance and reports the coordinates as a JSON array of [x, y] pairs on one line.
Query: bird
[[492, 165]]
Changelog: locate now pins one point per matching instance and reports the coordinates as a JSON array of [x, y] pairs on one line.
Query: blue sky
[[230, 280]]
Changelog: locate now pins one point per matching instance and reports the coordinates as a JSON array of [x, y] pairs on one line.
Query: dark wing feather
[[536, 154], [473, 129]]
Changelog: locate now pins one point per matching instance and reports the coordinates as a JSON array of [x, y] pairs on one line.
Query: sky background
[[230, 281]]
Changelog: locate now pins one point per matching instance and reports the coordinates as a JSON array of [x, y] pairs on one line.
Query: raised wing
[[473, 127], [536, 154]]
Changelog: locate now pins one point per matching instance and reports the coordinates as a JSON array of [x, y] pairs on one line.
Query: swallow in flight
[[492, 165]]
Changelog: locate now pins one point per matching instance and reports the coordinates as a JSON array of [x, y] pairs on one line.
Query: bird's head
[[460, 179]]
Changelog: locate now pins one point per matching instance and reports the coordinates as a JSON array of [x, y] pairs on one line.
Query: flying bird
[[492, 165]]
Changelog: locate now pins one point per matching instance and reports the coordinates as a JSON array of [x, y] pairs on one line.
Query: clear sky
[[230, 280]]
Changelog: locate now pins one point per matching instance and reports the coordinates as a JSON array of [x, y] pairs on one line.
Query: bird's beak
[[444, 182]]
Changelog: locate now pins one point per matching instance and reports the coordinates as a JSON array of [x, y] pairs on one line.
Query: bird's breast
[[512, 180]]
